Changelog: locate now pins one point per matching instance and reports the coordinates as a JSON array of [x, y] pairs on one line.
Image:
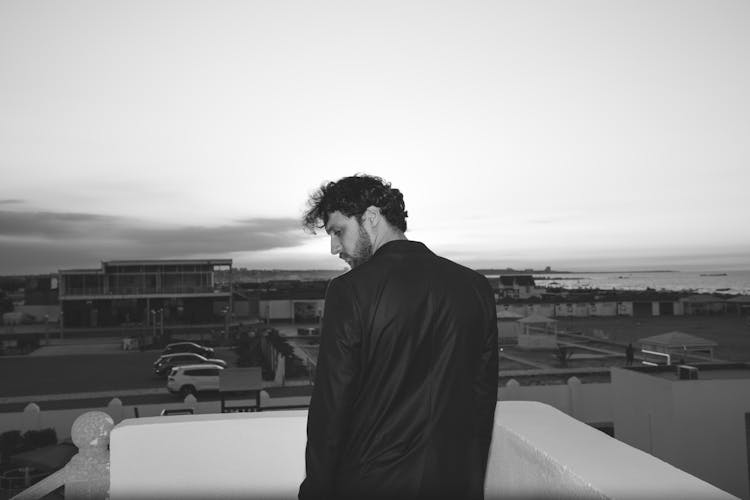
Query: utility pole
[[226, 322], [161, 324]]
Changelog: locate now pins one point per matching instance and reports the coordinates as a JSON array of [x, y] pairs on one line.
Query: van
[[192, 379]]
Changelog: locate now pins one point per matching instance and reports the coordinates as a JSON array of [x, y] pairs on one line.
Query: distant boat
[[714, 274]]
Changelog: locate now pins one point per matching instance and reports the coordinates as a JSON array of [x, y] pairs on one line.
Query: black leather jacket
[[406, 381]]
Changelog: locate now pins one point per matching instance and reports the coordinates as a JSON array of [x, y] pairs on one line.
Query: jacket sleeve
[[485, 387], [331, 403]]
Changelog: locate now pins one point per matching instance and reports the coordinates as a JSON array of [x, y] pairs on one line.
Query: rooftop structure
[[127, 278], [699, 423], [144, 293], [666, 347], [518, 286]]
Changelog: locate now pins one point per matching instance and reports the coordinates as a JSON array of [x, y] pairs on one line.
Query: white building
[[701, 426], [519, 286], [539, 332]]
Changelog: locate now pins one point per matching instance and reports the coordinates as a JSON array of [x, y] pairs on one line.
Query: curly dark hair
[[352, 196]]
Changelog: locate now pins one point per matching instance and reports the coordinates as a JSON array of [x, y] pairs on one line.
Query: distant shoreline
[[537, 271]]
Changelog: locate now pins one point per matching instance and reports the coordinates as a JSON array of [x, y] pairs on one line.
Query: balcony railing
[[136, 290], [537, 452]]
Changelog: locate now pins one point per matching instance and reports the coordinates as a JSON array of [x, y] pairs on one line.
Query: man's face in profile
[[348, 239]]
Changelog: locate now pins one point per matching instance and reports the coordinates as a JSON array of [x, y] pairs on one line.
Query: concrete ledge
[[537, 452], [227, 456]]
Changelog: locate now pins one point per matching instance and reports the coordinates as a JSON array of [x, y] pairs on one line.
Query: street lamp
[[161, 323], [160, 312], [226, 321], [153, 324]]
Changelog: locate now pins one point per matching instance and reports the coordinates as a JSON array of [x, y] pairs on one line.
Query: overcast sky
[[575, 134]]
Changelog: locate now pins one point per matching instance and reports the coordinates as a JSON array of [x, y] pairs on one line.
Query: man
[[406, 380], [629, 354]]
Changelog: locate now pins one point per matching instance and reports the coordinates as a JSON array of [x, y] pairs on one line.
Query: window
[[202, 372]]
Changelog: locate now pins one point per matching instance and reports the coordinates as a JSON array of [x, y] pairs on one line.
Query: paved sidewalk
[[38, 398], [68, 349], [109, 345]]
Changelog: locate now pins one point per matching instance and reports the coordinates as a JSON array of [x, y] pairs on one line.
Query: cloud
[[559, 217], [52, 225], [10, 201], [47, 241], [542, 221]]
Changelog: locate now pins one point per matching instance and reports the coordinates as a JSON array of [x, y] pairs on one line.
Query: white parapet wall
[[590, 403], [32, 417], [537, 452], [233, 455]]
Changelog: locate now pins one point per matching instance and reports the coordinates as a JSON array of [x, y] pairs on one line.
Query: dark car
[[177, 347], [166, 362]]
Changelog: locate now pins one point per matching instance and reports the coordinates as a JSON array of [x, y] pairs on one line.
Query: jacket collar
[[401, 246]]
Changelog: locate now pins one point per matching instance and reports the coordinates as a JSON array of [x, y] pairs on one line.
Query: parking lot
[[95, 371]]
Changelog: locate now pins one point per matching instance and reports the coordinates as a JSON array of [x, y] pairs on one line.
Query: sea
[[724, 282]]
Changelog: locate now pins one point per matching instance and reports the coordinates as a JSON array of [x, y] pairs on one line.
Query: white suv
[[191, 379]]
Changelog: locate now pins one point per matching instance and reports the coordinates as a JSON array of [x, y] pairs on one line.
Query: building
[[539, 332], [143, 293], [739, 304], [598, 303], [286, 300], [518, 286], [697, 420], [508, 327], [671, 347], [704, 304]]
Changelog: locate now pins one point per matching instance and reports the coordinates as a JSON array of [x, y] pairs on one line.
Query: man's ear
[[372, 214]]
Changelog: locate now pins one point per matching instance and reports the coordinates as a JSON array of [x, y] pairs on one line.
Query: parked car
[[176, 347], [168, 361], [192, 379]]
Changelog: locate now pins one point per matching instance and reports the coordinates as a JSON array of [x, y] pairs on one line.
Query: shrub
[[37, 439], [11, 443]]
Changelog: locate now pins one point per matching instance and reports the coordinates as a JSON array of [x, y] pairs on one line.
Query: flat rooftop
[[706, 371]]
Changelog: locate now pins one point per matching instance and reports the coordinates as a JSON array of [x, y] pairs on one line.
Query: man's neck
[[388, 236]]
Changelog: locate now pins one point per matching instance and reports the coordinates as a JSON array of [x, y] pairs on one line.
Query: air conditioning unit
[[685, 372]]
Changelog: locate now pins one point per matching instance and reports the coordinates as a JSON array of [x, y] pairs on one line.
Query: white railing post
[[86, 476], [31, 417], [191, 402], [280, 375], [576, 397], [88, 471], [115, 410]]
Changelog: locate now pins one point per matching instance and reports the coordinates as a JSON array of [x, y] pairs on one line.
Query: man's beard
[[362, 250]]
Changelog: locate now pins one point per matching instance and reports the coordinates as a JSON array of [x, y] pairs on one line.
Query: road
[[65, 374]]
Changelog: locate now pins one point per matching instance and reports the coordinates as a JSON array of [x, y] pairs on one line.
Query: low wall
[[540, 453], [590, 403], [33, 418], [537, 452]]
